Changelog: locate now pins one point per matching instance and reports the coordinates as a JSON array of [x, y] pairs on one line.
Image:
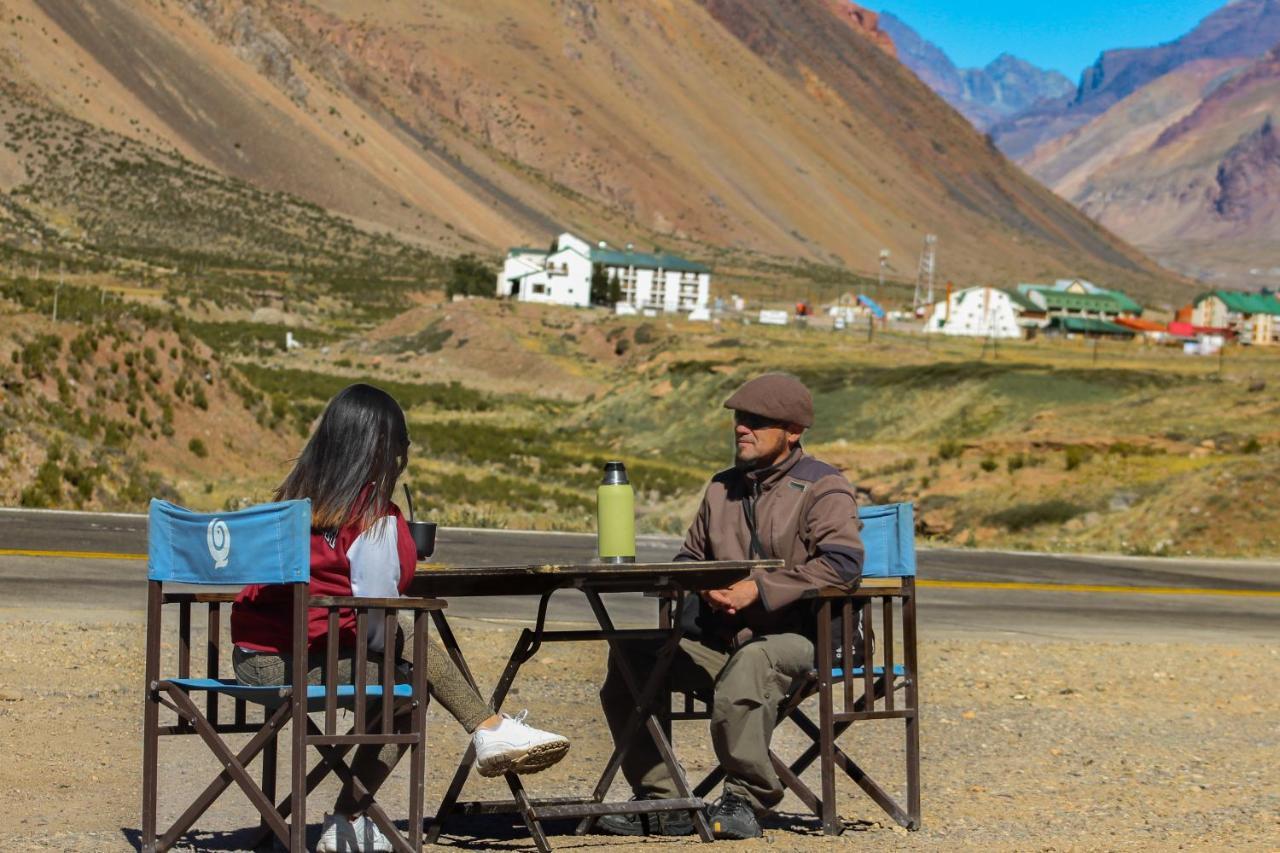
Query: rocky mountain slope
[[1186, 167], [1241, 29], [1004, 87], [721, 128]]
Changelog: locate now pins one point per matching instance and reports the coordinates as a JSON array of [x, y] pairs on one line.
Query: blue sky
[[1064, 36]]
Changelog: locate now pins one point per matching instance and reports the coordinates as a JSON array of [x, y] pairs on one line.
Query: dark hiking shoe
[[654, 823], [732, 817]]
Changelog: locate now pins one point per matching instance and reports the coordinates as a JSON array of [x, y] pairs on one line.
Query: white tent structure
[[978, 312]]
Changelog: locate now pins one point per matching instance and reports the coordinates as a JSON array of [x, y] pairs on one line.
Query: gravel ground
[[1026, 746]]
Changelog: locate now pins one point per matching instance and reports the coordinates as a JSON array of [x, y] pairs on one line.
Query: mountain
[[729, 130], [1242, 29], [1006, 86], [1187, 167]]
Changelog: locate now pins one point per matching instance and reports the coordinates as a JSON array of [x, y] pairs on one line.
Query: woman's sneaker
[[371, 838], [516, 748], [338, 835]]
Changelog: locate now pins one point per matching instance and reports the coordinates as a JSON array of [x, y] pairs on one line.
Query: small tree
[[470, 276], [599, 285], [615, 289]]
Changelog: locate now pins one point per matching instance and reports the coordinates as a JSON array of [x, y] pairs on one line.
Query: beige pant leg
[[748, 692]]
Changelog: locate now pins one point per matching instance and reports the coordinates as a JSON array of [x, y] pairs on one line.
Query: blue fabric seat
[[899, 671], [274, 694]]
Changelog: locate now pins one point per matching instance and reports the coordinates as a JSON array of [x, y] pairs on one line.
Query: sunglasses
[[753, 421]]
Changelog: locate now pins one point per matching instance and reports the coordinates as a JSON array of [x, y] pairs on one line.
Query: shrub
[[989, 464], [950, 449], [644, 333], [1022, 516], [1076, 456], [470, 276], [1014, 462], [46, 491], [1252, 445], [196, 446]]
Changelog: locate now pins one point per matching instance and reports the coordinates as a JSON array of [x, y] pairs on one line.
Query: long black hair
[[353, 459]]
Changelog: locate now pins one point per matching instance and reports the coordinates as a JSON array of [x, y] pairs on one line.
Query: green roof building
[[1254, 318], [1075, 297]]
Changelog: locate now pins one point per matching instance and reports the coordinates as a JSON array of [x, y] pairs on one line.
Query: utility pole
[[56, 290], [924, 274]]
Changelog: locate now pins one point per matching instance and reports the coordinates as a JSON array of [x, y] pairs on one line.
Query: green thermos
[[616, 516]]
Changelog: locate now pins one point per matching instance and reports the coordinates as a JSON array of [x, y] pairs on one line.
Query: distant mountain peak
[[1004, 86], [1243, 29]]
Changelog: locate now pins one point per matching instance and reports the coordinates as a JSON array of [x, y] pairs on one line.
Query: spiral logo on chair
[[218, 537]]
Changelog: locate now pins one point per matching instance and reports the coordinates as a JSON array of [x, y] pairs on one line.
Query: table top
[[538, 578]]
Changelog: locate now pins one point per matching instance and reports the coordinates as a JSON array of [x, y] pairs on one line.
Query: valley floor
[[1044, 745]]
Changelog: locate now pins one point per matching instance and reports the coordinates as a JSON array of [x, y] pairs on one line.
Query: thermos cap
[[615, 474]]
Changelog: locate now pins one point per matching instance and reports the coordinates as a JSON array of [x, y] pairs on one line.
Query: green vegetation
[[308, 385], [471, 276], [1023, 516], [242, 336]]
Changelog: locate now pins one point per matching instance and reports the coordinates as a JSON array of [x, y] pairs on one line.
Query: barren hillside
[[713, 126]]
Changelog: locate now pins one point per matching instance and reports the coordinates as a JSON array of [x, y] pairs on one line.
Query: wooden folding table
[[593, 579]]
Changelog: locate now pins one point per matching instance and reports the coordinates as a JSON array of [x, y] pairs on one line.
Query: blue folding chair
[[845, 630], [271, 544]]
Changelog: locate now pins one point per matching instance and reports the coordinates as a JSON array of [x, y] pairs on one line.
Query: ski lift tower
[[924, 274]]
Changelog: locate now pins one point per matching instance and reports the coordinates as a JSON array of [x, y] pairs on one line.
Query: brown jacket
[[805, 514]]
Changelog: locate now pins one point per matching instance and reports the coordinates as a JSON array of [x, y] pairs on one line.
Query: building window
[[658, 292], [539, 288], [688, 291], [627, 281]]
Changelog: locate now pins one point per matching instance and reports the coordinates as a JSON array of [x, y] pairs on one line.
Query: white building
[[563, 276], [980, 312]]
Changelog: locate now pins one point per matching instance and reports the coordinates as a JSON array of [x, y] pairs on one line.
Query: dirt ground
[[1026, 746]]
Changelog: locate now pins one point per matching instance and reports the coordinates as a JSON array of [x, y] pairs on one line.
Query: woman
[[361, 546]]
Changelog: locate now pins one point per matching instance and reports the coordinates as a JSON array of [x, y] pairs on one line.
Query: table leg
[[645, 698], [520, 654]]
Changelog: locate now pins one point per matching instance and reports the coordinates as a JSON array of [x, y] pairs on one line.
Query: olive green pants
[[745, 689]]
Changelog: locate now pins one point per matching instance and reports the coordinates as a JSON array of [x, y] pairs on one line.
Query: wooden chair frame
[[281, 705], [864, 693]]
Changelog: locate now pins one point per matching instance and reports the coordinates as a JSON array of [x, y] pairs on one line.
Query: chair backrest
[[268, 544], [888, 539]]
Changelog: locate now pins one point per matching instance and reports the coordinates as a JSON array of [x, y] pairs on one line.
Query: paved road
[[964, 592]]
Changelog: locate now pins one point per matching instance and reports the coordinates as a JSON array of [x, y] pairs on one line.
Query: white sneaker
[[371, 838], [516, 747], [338, 836]]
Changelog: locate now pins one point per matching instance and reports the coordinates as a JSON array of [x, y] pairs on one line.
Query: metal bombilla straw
[[408, 499]]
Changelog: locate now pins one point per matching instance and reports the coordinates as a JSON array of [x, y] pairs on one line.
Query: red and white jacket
[[373, 563]]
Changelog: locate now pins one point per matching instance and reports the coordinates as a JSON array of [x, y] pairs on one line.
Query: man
[[747, 645]]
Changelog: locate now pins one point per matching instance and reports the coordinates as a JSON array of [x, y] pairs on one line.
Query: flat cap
[[777, 396]]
